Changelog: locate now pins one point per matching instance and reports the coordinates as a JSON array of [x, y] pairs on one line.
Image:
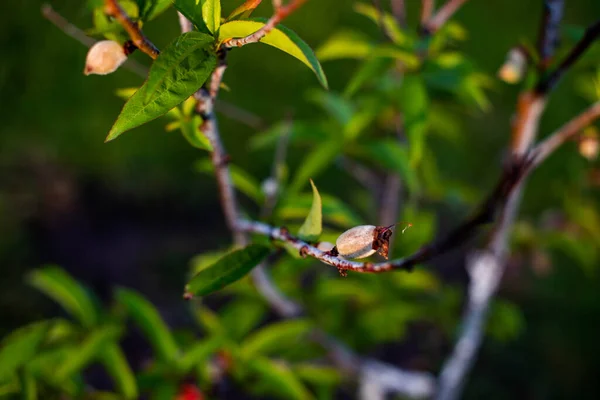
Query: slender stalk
[[114, 10], [281, 12], [442, 15]]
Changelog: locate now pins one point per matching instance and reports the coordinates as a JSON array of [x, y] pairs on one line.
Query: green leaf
[[337, 106], [335, 211], [391, 26], [314, 163], [62, 288], [276, 336], [318, 374], [192, 11], [91, 348], [28, 386], [115, 363], [176, 62], [211, 14], [392, 156], [241, 316], [199, 353], [21, 346], [344, 44], [172, 80], [281, 38], [145, 315], [150, 9], [279, 379], [243, 181], [373, 67], [190, 129], [414, 103], [313, 224], [227, 270], [244, 11]]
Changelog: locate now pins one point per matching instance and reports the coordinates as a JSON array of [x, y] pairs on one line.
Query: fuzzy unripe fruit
[[104, 57], [364, 240]]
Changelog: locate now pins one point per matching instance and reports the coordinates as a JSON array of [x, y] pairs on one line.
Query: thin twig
[[399, 12], [73, 31], [591, 35], [549, 31], [138, 38], [548, 146], [442, 15], [281, 12], [427, 7]]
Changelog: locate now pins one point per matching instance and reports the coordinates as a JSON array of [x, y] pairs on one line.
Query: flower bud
[[325, 246], [514, 68], [104, 57], [588, 144], [364, 240]]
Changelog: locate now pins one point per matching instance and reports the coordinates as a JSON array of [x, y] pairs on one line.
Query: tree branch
[[427, 7], [549, 82], [442, 15], [281, 12], [114, 10], [549, 30], [399, 12]]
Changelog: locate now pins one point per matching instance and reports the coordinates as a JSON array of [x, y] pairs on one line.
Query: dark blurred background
[[133, 212]]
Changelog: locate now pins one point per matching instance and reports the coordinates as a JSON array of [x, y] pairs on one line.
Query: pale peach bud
[[325, 246], [513, 69], [104, 57], [588, 147]]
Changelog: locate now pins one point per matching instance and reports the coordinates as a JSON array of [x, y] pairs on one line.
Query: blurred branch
[[427, 7], [591, 35], [239, 114], [549, 30], [184, 23], [399, 11], [281, 12], [545, 148], [114, 10], [73, 31], [443, 14]]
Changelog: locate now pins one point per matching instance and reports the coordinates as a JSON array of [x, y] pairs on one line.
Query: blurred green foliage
[[541, 340]]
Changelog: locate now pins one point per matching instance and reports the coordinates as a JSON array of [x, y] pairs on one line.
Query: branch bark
[[138, 38], [281, 12], [442, 15]]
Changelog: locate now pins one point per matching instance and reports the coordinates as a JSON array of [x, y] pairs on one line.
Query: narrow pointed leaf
[[63, 289], [116, 365], [281, 38], [313, 224], [276, 337], [173, 61], [227, 270], [244, 11], [174, 80], [90, 349], [150, 9], [211, 14], [314, 163], [20, 346], [147, 318], [277, 378]]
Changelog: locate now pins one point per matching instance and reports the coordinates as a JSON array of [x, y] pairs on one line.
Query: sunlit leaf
[[344, 44], [190, 129], [318, 374], [148, 319], [20, 346], [227, 270], [313, 224], [389, 22], [192, 10], [334, 210], [281, 38], [63, 289], [116, 365], [174, 81], [244, 11]]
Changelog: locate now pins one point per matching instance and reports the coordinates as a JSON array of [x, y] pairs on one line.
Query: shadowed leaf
[[313, 224]]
